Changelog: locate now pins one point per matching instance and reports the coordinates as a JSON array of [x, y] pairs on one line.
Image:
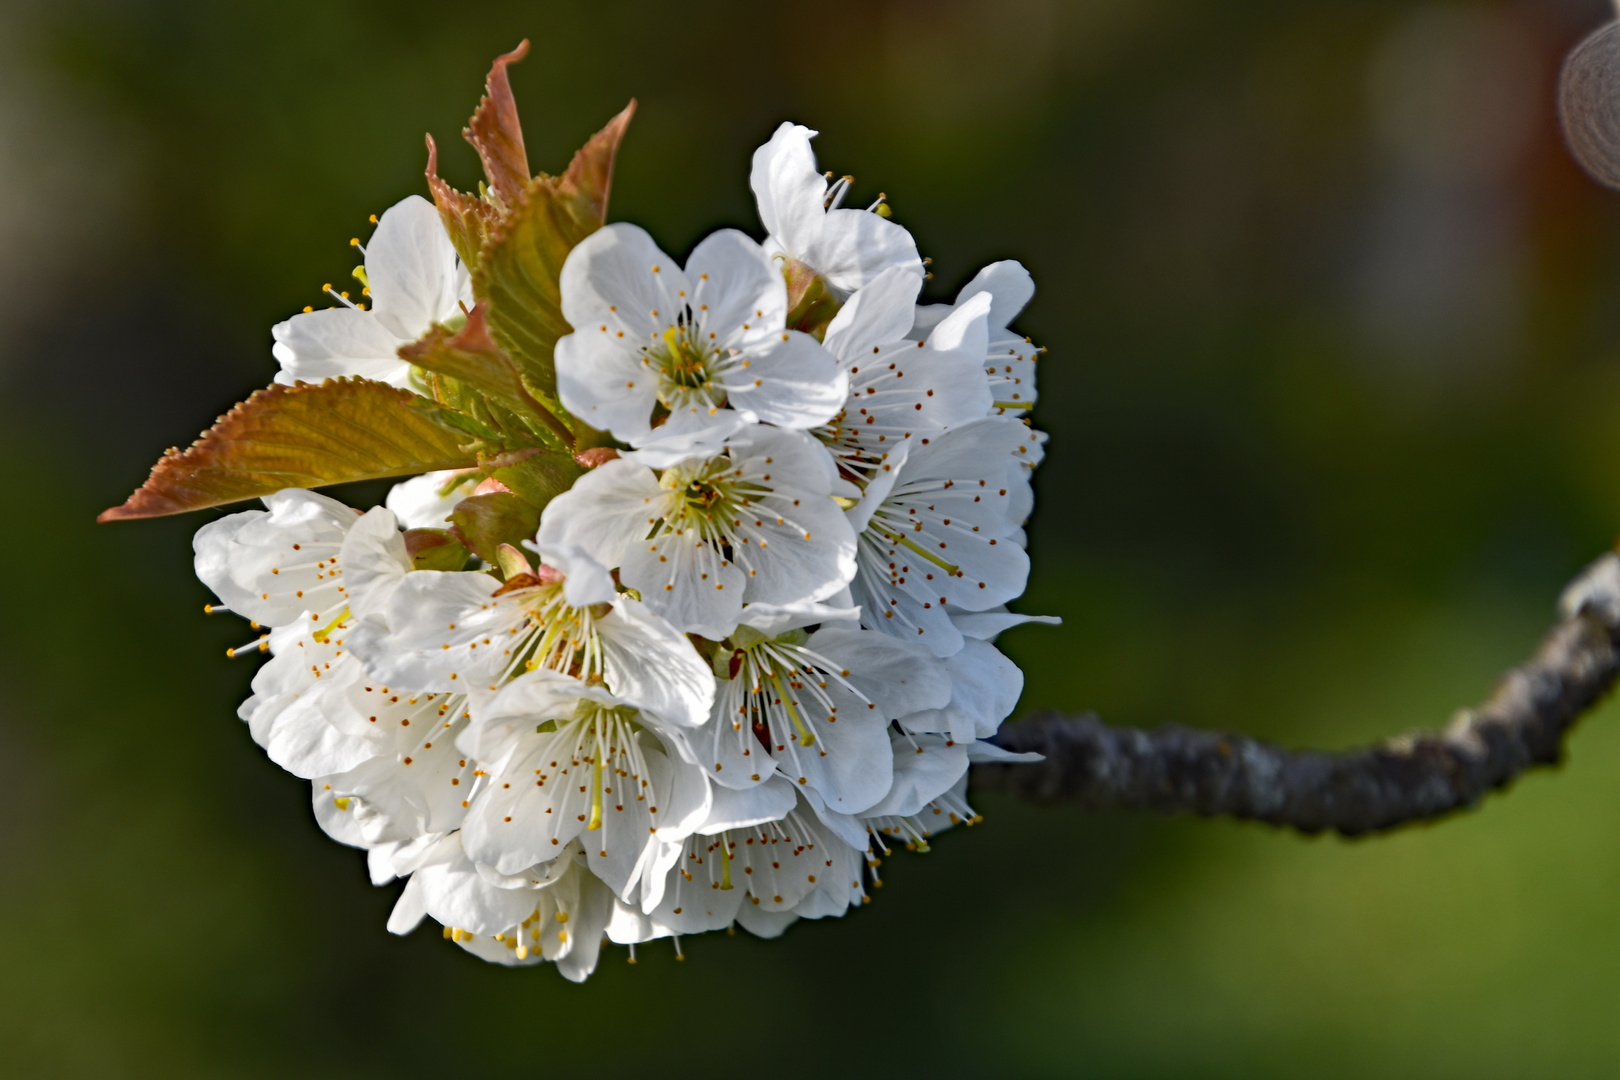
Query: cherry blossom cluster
[[748, 651]]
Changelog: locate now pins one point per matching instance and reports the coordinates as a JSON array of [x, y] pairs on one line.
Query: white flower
[[848, 248], [985, 687], [285, 716], [1010, 357], [458, 631], [278, 566], [556, 912], [814, 708], [755, 524], [903, 391], [762, 872], [414, 279], [925, 767], [914, 829], [565, 760], [936, 524], [426, 501], [317, 713], [706, 347]]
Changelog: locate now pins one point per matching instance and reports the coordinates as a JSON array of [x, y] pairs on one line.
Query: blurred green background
[[1333, 390]]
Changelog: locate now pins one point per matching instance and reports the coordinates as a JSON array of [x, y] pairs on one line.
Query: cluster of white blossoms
[[744, 654]]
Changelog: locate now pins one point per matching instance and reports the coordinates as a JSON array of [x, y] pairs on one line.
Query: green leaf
[[471, 358], [484, 522], [300, 436], [517, 271]]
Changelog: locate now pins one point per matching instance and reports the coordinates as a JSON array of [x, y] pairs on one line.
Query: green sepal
[[435, 549], [482, 523], [536, 476]]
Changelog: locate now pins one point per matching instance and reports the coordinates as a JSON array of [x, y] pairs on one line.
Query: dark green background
[[1334, 395]]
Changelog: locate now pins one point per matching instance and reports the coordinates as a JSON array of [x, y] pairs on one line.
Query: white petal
[[787, 186], [648, 661], [735, 285], [408, 911], [879, 314], [602, 512], [984, 751], [773, 620], [898, 676], [411, 269], [855, 246], [1010, 288], [318, 345], [454, 893], [985, 687], [604, 381], [334, 820], [418, 504], [374, 562], [212, 546], [686, 581], [285, 559], [587, 924], [986, 625], [732, 809], [765, 924], [610, 278], [794, 383], [925, 767], [429, 610]]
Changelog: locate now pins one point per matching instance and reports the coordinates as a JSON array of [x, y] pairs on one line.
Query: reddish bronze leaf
[[472, 357], [517, 271], [495, 133], [590, 175], [466, 217], [300, 436]]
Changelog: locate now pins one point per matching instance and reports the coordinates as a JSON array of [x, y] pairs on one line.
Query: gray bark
[[1414, 777]]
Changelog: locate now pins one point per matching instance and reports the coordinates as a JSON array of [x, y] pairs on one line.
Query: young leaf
[[495, 133], [466, 217], [471, 357], [484, 522], [517, 271], [299, 437]]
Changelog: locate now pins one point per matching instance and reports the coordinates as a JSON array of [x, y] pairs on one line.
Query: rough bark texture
[[1409, 778]]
